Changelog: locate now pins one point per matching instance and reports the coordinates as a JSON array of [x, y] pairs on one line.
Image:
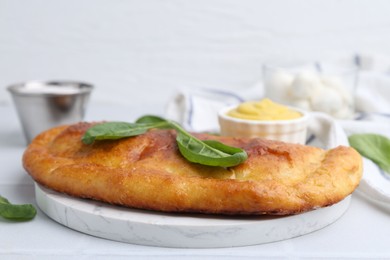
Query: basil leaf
[[16, 212], [209, 152], [113, 131], [374, 147]]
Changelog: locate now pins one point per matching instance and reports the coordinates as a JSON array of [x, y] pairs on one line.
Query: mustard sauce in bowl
[[263, 110], [264, 119]]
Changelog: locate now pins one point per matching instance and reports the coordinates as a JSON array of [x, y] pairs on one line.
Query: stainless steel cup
[[43, 105]]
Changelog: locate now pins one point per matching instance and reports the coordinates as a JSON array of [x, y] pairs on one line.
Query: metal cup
[[43, 105]]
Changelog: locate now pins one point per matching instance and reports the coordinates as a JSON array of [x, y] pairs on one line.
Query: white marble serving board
[[179, 230]]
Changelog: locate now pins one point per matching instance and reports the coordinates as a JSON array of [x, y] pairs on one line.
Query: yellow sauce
[[263, 110]]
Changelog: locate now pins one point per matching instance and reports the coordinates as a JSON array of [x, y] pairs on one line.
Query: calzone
[[148, 172]]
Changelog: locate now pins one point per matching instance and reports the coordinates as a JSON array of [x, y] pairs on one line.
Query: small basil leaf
[[211, 153], [114, 130], [374, 147], [16, 212]]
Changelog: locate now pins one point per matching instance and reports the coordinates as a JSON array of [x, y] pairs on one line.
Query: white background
[[140, 52]]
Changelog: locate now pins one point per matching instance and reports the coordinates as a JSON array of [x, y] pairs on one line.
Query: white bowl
[[290, 130]]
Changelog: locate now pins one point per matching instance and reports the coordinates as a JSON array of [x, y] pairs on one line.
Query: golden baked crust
[[148, 172]]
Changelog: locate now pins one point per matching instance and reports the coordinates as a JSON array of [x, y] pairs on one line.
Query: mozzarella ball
[[301, 103], [326, 100], [304, 84], [277, 86], [336, 84], [346, 112]]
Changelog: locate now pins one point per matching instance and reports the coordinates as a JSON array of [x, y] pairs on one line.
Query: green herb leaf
[[211, 153], [114, 130], [208, 152], [374, 147], [16, 212]]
